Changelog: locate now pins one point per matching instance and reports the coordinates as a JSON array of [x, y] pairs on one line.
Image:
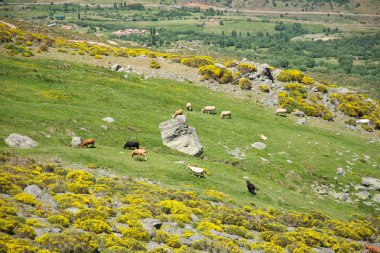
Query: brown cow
[[141, 152], [88, 142], [372, 248], [178, 112]]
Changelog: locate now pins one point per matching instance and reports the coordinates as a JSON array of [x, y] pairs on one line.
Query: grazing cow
[[87, 142], [189, 106], [199, 172], [209, 109], [140, 152], [178, 112], [372, 248], [362, 121], [263, 137], [281, 112], [225, 114], [251, 187], [131, 144]]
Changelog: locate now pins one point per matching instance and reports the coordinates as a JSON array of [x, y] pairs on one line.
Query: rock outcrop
[[371, 183], [19, 141], [39, 194], [177, 134]]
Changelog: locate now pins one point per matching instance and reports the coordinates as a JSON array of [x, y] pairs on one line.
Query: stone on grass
[[259, 145], [177, 134], [19, 141]]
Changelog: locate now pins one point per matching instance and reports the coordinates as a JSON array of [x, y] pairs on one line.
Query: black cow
[[251, 187], [131, 144]]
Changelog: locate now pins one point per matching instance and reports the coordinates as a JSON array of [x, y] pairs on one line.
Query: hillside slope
[[63, 210], [51, 103]]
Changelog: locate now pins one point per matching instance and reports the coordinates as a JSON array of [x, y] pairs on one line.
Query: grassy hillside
[[48, 102]]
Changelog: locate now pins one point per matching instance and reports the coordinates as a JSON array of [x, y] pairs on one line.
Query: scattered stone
[[126, 76], [19, 141], [108, 119], [104, 127], [264, 160], [363, 195], [299, 113], [371, 183], [152, 245], [302, 122], [76, 141], [217, 233], [180, 162], [359, 187], [289, 161], [259, 145], [151, 225], [177, 134], [121, 70], [290, 229], [340, 171], [237, 153], [376, 198]]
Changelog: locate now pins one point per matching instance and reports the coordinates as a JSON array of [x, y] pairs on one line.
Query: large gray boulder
[[371, 183], [177, 134], [19, 141], [40, 195], [264, 70], [76, 141], [151, 225]]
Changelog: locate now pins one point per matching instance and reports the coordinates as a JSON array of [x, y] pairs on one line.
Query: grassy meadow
[[43, 100]]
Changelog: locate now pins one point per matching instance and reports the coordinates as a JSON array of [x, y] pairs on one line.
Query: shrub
[[221, 75], [245, 68], [367, 128], [245, 84], [290, 75], [206, 225], [136, 233], [154, 64], [236, 230], [97, 56], [69, 241], [307, 80], [264, 87], [25, 231], [295, 86], [173, 241], [197, 61], [322, 88], [92, 225], [59, 219], [34, 222], [26, 198]]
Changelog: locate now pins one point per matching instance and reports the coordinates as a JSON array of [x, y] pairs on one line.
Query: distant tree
[[221, 22]]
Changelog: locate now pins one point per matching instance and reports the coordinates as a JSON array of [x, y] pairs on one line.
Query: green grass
[[38, 99]]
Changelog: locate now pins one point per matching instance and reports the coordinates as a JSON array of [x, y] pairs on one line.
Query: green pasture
[[40, 100]]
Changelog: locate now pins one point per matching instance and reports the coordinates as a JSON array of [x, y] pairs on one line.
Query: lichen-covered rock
[[259, 145], [76, 141], [39, 194], [177, 134], [371, 183], [151, 225], [19, 141]]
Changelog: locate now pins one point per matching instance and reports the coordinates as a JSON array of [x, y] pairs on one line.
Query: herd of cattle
[[135, 145], [210, 109]]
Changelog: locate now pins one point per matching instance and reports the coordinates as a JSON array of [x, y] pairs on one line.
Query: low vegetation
[[110, 219]]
